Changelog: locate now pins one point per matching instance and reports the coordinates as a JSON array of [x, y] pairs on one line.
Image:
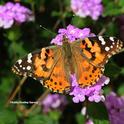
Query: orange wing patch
[[89, 75], [58, 80], [43, 63], [86, 73]]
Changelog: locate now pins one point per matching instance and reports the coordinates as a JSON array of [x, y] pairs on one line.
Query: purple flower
[[53, 101], [72, 33], [93, 93], [83, 8], [115, 107], [11, 12]]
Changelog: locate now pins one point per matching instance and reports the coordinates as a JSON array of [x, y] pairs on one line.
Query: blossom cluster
[[83, 8], [115, 107], [10, 13], [53, 101], [94, 92], [72, 33]]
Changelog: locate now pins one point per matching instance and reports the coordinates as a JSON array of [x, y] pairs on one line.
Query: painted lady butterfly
[[53, 65]]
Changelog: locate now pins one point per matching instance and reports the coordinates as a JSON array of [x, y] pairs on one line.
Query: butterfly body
[[53, 65]]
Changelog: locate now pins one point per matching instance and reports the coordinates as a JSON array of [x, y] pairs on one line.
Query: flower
[[53, 101], [83, 8], [11, 12], [72, 33], [115, 107], [94, 92]]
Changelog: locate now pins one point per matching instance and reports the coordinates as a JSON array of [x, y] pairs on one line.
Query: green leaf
[[56, 14], [111, 9], [101, 122], [6, 84], [121, 3], [112, 70], [7, 117], [111, 29], [80, 118], [41, 119], [79, 22], [13, 34], [16, 49], [97, 111], [107, 90], [55, 115], [121, 90]]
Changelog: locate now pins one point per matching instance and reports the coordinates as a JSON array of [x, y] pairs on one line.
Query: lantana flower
[[115, 107], [94, 93], [84, 8], [53, 101], [10, 13]]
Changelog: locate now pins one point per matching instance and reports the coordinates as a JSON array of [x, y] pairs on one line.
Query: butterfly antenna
[[54, 34]]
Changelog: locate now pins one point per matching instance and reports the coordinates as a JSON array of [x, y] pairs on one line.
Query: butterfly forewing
[[108, 47], [97, 50], [37, 64]]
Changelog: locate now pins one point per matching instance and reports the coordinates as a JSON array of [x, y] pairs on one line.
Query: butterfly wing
[[86, 73], [59, 80], [99, 49], [46, 66], [92, 54]]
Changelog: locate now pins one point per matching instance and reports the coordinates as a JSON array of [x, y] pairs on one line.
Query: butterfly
[[53, 65]]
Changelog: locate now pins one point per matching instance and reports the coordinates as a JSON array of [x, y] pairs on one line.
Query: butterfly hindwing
[[59, 80]]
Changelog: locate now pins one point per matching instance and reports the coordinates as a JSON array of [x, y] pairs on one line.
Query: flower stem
[[15, 91], [28, 111]]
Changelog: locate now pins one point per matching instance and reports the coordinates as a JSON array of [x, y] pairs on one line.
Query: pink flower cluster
[[83, 8], [11, 12], [93, 93], [72, 33], [115, 107], [53, 101]]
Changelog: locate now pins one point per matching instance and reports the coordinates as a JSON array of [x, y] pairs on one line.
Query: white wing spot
[[23, 68], [19, 61], [28, 67], [102, 40], [107, 48], [111, 46], [41, 81], [111, 38], [29, 58], [113, 43]]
